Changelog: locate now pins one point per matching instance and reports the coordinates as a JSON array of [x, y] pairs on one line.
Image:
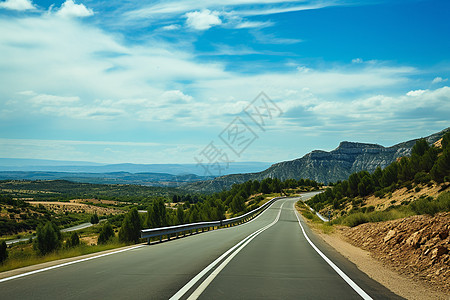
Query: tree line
[[426, 163], [199, 208]]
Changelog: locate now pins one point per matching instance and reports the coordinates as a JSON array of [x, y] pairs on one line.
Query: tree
[[441, 168], [131, 227], [94, 219], [420, 147], [47, 238], [238, 204], [264, 187], [445, 140], [74, 240], [106, 233], [3, 252], [389, 175], [365, 187], [180, 215], [156, 214]]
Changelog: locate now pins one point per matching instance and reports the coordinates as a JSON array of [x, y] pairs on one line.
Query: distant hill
[[40, 165], [323, 166]]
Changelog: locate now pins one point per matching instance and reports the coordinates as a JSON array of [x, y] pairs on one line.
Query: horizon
[[174, 82]]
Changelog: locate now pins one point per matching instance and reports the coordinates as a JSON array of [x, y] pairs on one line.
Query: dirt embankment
[[417, 247]]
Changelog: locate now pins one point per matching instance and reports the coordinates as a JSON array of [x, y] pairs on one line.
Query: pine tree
[[47, 238], [131, 227]]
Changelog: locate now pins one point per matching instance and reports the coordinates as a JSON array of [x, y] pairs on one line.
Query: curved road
[[270, 259]]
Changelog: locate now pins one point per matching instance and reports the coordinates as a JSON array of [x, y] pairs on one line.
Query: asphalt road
[[276, 263]]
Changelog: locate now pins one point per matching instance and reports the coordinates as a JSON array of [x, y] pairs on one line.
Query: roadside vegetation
[[427, 167], [46, 242]]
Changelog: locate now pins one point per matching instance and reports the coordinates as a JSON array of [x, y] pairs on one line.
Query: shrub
[[3, 252], [356, 219], [425, 206], [422, 177], [94, 219], [48, 238], [106, 234], [73, 241]]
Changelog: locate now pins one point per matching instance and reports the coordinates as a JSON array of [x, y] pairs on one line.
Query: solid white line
[[199, 276], [344, 276], [68, 263], [216, 272]]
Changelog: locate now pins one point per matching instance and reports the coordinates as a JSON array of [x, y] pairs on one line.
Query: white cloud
[[176, 96], [203, 20], [52, 100], [165, 9], [249, 24], [17, 5], [416, 93], [357, 60], [71, 9], [439, 80], [171, 27]]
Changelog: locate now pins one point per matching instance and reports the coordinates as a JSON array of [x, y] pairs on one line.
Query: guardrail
[[189, 228]]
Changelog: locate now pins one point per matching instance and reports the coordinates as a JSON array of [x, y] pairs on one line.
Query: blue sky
[[158, 81]]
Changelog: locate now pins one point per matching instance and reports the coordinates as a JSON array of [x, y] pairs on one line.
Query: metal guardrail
[[188, 228]]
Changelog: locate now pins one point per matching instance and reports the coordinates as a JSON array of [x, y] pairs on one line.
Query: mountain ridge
[[323, 166]]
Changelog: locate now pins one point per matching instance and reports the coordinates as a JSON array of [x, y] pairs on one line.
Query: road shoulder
[[53, 263], [398, 284]]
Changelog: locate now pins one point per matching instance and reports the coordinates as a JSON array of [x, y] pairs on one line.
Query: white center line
[[199, 276]]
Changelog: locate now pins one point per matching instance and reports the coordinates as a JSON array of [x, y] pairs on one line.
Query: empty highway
[[267, 258]]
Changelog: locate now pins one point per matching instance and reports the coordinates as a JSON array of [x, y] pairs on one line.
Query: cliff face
[[324, 166]]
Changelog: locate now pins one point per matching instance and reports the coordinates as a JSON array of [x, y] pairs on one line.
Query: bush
[[422, 177], [3, 252], [356, 219], [73, 241], [106, 234], [94, 219], [428, 206], [48, 238]]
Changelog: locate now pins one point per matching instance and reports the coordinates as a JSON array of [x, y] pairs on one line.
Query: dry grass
[[28, 258], [73, 207]]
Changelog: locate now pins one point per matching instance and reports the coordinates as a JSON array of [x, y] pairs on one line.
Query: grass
[[24, 255], [315, 221], [422, 206]]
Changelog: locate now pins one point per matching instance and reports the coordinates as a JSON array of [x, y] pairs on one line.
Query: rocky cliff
[[323, 166]]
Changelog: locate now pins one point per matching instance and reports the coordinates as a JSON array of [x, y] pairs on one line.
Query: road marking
[[199, 276], [344, 276], [216, 272], [68, 263]]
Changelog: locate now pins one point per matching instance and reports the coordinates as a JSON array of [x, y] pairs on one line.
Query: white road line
[[199, 276], [216, 272], [344, 276], [67, 264]]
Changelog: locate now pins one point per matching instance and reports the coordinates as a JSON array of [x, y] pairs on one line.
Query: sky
[[218, 81]]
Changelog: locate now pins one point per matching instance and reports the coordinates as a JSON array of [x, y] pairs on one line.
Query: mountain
[[40, 165], [147, 179], [323, 166]]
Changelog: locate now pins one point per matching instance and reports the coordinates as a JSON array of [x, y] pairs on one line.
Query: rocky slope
[[323, 166], [417, 246]]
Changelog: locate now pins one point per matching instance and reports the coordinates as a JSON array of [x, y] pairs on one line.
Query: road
[[69, 229], [274, 260]]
